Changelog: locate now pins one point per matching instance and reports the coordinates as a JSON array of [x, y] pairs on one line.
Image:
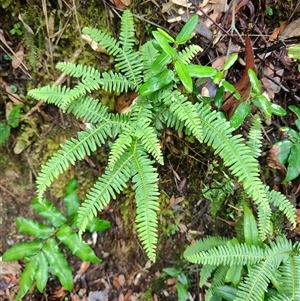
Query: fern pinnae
[[111, 182], [109, 43], [148, 56], [185, 111], [116, 82], [72, 149], [127, 32], [78, 70], [188, 53], [255, 137], [146, 189]]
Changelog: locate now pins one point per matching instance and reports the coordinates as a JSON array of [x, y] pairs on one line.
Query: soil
[[125, 272]]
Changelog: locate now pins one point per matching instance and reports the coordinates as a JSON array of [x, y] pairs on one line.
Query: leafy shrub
[[157, 72], [43, 256]]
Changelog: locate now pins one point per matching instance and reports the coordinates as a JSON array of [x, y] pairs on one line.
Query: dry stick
[[57, 82]]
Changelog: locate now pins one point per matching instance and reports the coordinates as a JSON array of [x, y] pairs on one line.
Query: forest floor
[[35, 43]]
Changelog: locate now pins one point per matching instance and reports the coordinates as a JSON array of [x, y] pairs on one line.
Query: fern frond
[[130, 64], [69, 152], [238, 158], [296, 269], [127, 32], [281, 297], [121, 145], [78, 70], [284, 205], [111, 182], [148, 56], [255, 137], [188, 53], [240, 254], [50, 94], [146, 192], [205, 273], [116, 82], [109, 43], [185, 111], [142, 115]]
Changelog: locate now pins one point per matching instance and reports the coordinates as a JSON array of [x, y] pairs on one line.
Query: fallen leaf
[[84, 266], [291, 30], [278, 30], [17, 59]]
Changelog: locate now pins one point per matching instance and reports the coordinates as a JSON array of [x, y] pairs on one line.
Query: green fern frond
[[205, 273], [255, 137], [146, 192], [296, 269], [109, 43], [78, 70], [148, 56], [284, 205], [121, 145], [237, 156], [69, 152], [228, 255], [185, 111], [127, 32], [116, 82], [50, 94], [111, 182], [130, 64], [188, 53], [281, 297]]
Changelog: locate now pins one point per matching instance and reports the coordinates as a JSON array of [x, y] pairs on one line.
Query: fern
[[151, 72], [255, 137]]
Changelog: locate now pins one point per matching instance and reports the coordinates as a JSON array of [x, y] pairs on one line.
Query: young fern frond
[[188, 53], [111, 182], [109, 43], [237, 157], [185, 111], [127, 32], [74, 149], [146, 192], [50, 94], [78, 70], [255, 137]]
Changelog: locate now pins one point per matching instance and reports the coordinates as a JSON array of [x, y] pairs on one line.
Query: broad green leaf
[[41, 275], [229, 87], [49, 212], [284, 150], [218, 77], [293, 169], [263, 104], [296, 110], [4, 132], [256, 89], [14, 117], [173, 272], [251, 235], [160, 63], [230, 61], [184, 76], [166, 35], [97, 224], [182, 292], [26, 279], [71, 198], [58, 263], [218, 101], [291, 133], [200, 71], [34, 228], [67, 236], [277, 109], [22, 250], [240, 114], [227, 292], [163, 42], [156, 82], [183, 279], [294, 51], [234, 274], [187, 30]]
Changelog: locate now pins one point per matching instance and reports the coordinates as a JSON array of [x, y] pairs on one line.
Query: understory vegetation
[[159, 80]]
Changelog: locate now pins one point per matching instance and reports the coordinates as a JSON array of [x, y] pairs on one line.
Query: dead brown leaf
[[17, 59], [291, 30]]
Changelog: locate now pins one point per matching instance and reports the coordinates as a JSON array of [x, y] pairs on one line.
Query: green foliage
[[288, 149], [12, 122], [43, 255], [157, 71], [246, 270]]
